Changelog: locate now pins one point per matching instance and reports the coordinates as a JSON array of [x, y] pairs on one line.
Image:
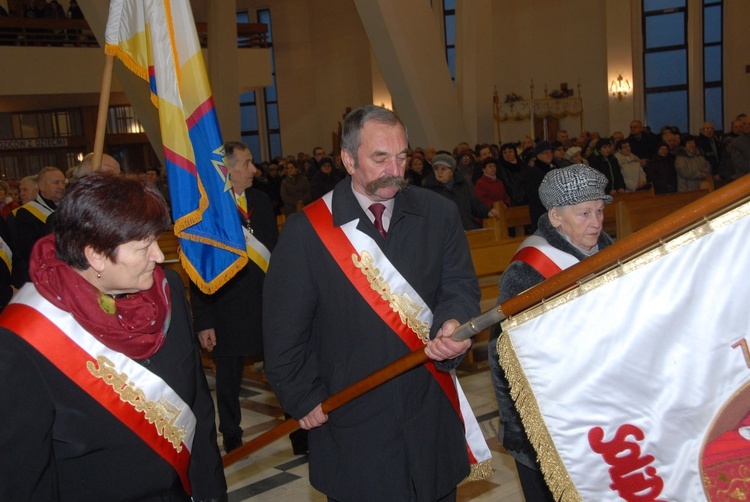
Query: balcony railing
[[30, 32]]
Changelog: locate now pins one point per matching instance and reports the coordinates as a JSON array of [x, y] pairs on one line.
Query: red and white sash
[[138, 398], [546, 259], [399, 305]]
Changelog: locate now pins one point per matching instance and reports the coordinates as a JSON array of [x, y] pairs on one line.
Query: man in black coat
[[228, 322], [402, 440], [643, 143], [710, 144]]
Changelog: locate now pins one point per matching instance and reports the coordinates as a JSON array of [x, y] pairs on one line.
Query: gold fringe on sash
[[481, 470]]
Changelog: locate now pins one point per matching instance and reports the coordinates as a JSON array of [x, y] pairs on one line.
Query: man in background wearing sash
[[31, 223], [568, 232], [346, 294], [228, 322]]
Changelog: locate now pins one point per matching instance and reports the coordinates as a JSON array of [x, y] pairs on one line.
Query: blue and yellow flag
[[156, 39]]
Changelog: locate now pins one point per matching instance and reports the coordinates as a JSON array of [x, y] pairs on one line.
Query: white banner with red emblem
[[636, 385]]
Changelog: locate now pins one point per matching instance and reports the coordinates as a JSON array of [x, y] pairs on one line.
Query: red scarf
[[135, 325]]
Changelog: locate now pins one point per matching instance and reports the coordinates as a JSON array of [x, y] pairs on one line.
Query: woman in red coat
[[490, 189]]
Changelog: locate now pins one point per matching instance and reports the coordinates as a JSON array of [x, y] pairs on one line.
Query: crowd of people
[[302, 304], [43, 9], [476, 178]]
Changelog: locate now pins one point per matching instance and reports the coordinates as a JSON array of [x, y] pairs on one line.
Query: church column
[[414, 67], [222, 68], [474, 71]]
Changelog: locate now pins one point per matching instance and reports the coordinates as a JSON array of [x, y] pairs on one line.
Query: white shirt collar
[[365, 204]]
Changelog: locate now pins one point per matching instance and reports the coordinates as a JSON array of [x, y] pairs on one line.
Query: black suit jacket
[[321, 336], [27, 229], [235, 310]]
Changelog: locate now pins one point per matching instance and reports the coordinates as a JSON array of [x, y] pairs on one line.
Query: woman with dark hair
[[295, 189], [489, 188], [604, 161], [416, 171], [324, 180], [7, 204], [99, 360], [660, 170], [512, 172]]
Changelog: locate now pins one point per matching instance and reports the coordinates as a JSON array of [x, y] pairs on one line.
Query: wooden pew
[[518, 216], [610, 210], [491, 254], [491, 250], [510, 217], [633, 215]]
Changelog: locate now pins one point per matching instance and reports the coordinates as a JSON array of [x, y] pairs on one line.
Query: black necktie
[[377, 210]]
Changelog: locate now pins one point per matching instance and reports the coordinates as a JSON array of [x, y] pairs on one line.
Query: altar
[[543, 114]]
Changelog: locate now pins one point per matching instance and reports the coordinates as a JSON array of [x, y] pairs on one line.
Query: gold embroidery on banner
[[161, 414], [406, 308]]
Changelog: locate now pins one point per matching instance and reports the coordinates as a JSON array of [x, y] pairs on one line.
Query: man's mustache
[[385, 182]]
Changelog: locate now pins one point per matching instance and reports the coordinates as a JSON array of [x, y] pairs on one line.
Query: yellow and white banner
[[157, 40], [636, 385]]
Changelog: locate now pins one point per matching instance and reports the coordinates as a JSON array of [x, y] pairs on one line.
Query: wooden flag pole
[[695, 213], [101, 118]]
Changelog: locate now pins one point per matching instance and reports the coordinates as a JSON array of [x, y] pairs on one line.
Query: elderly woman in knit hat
[[570, 231]]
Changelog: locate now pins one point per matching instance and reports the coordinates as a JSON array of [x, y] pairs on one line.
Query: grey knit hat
[[443, 159], [572, 185]]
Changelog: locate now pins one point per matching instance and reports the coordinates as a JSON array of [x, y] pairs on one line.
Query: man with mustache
[[360, 278]]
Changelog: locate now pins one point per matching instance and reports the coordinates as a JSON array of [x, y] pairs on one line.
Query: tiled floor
[[274, 473]]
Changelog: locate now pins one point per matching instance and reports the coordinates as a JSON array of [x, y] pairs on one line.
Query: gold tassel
[[482, 470]]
